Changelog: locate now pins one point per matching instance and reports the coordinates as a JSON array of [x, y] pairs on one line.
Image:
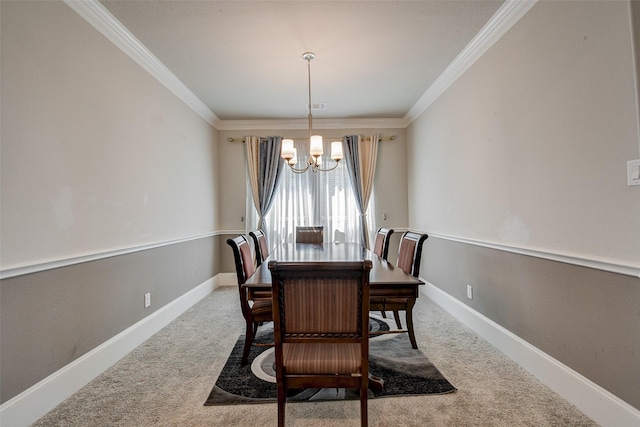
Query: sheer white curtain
[[323, 198]]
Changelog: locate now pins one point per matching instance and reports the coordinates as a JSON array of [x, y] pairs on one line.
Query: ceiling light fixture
[[289, 152]]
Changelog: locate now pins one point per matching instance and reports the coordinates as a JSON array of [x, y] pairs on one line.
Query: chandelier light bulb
[[336, 150], [315, 148], [287, 151]]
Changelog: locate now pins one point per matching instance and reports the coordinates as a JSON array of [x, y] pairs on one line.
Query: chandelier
[[290, 154]]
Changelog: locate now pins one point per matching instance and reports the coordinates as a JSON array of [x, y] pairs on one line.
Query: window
[[323, 198]]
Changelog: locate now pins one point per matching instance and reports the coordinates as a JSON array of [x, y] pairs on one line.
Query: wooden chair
[[381, 248], [260, 245], [257, 311], [381, 244], [409, 257], [321, 327], [313, 234]]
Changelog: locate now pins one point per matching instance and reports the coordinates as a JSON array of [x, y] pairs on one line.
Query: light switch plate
[[633, 172]]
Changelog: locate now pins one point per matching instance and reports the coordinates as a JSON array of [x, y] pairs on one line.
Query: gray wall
[[635, 24], [97, 155], [527, 151], [51, 318], [97, 158], [585, 318]]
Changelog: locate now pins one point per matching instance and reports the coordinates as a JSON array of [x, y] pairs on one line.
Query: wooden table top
[[382, 272]]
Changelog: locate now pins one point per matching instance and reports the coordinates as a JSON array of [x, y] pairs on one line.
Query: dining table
[[385, 279]]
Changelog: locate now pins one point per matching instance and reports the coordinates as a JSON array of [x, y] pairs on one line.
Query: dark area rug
[[405, 371]]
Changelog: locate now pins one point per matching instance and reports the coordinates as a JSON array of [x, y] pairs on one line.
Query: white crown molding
[[602, 406], [611, 266], [283, 124], [103, 21], [505, 17]]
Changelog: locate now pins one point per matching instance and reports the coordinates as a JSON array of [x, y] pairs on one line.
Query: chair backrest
[[339, 236], [381, 245], [260, 245], [242, 257], [321, 327], [310, 234], [320, 302], [244, 267], [410, 252]]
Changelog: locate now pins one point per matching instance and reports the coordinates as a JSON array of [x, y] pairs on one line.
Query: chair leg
[[396, 315], [412, 335], [282, 400], [364, 412], [383, 310], [248, 339]]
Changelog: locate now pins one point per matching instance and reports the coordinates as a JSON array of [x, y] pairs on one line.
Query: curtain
[[312, 199], [360, 155], [264, 166]]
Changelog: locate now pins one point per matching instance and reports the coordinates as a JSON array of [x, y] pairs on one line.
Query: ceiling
[[243, 59]]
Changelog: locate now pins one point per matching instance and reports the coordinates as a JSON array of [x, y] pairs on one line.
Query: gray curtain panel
[[361, 155], [267, 170], [352, 159]]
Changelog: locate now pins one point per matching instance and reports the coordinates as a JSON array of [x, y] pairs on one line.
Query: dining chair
[[409, 258], [381, 248], [381, 244], [310, 234], [260, 245], [255, 311], [321, 327]]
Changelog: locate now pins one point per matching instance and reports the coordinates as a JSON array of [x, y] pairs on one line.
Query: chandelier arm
[[329, 169], [303, 170]]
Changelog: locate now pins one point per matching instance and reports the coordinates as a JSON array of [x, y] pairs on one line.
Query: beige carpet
[[165, 382]]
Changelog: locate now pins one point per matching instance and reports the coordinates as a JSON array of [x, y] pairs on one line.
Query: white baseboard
[[594, 401], [33, 403]]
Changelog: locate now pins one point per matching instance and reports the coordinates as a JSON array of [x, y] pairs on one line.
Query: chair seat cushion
[[262, 310], [316, 358]]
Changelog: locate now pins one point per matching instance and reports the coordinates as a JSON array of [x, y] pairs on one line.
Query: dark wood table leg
[[412, 335]]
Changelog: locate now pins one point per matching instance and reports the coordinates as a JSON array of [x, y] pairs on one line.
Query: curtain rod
[[380, 139]]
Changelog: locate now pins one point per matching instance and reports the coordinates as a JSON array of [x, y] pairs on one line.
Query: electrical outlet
[[147, 300], [633, 172], [469, 292]]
